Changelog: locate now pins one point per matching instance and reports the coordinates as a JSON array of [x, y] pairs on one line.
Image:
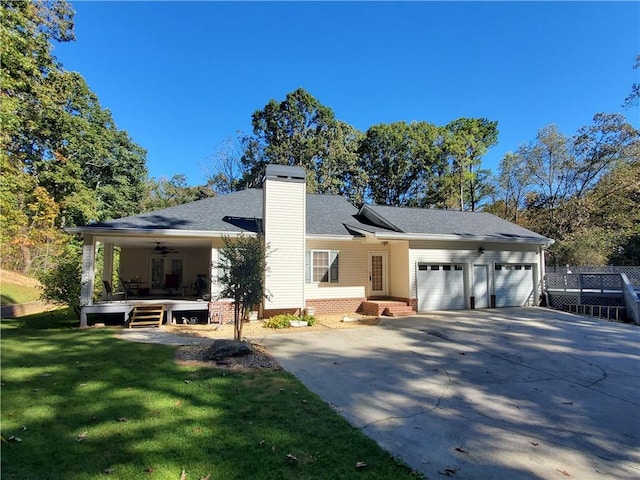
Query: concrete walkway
[[157, 335], [523, 393]]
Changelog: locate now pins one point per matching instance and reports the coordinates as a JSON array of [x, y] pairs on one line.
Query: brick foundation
[[221, 312], [328, 306]]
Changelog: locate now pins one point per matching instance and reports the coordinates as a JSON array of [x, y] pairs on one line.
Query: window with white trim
[[321, 266]]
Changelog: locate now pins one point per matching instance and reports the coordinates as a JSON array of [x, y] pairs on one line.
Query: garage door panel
[[440, 287], [513, 285]]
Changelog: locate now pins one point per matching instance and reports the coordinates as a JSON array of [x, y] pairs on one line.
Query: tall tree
[[633, 98], [465, 142], [301, 131], [58, 144], [398, 158], [578, 190], [163, 193], [512, 185]]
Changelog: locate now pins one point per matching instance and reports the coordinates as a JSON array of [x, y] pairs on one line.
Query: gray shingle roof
[[447, 222], [329, 215], [238, 212], [234, 212]]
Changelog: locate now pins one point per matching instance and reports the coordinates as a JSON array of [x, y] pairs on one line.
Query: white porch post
[[88, 274], [213, 273], [107, 267]]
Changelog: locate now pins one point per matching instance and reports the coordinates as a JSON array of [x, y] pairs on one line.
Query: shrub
[[284, 320]]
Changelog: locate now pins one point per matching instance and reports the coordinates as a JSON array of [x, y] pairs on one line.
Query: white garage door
[[514, 285], [440, 287]]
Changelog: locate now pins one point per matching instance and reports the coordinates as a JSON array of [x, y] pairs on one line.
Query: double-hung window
[[321, 266]]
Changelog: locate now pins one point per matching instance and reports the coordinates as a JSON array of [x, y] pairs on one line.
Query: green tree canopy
[[399, 159], [59, 145], [301, 131], [242, 266], [578, 190]]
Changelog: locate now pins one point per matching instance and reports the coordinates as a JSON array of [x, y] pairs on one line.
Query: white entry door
[[377, 274], [481, 285]]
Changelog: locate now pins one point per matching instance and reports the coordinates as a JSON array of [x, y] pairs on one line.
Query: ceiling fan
[[163, 249]]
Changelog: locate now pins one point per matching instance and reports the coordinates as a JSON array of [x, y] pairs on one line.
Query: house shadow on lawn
[[77, 404]]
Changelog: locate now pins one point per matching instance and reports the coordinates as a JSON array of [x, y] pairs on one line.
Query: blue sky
[[181, 77]]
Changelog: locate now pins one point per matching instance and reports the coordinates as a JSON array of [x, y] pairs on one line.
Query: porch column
[[88, 272], [107, 266], [213, 273]]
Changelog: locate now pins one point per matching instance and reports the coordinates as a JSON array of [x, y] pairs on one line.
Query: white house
[[325, 253]]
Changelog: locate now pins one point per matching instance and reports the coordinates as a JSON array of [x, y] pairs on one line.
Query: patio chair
[[125, 286], [111, 293], [171, 282]]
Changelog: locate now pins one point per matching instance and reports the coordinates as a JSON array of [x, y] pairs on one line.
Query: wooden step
[[144, 315]]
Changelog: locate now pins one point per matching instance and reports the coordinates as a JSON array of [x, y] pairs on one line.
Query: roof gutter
[[144, 232], [545, 242]]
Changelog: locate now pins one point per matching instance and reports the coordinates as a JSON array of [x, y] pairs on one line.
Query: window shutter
[[334, 266], [307, 266]]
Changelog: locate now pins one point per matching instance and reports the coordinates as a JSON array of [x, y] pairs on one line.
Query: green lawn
[[84, 403], [10, 293]]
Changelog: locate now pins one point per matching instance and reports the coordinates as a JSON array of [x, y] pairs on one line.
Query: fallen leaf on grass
[[24, 427], [148, 470], [360, 464], [187, 381], [123, 419], [208, 477], [564, 472], [82, 436], [107, 471], [291, 458], [14, 439], [183, 475]]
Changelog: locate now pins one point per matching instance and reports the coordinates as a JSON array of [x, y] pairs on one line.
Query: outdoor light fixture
[[481, 250]]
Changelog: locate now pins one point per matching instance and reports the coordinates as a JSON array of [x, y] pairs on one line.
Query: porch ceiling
[[149, 241]]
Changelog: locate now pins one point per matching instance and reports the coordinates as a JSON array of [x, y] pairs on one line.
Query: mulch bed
[[198, 355]]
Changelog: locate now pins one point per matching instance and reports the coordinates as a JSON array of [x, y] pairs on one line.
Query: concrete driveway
[[524, 393]]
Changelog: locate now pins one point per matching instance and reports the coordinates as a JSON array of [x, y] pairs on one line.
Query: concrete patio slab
[[525, 393]]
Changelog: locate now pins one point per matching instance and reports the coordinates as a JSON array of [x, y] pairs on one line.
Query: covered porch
[[176, 272]]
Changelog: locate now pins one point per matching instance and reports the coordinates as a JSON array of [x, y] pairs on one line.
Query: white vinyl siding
[[351, 270], [284, 232]]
